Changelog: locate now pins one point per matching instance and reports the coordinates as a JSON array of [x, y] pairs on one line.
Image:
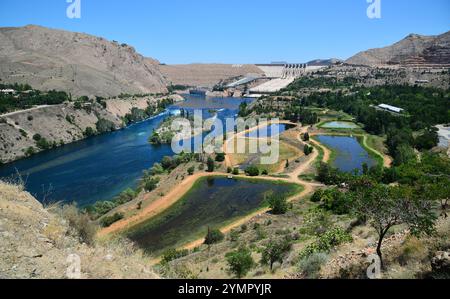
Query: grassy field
[[287, 152]]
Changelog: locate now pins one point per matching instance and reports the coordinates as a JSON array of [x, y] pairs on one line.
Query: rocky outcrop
[[39, 243], [74, 62], [413, 50]]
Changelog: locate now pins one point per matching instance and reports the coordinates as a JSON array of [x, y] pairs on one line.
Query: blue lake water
[[210, 203], [340, 125], [350, 154], [101, 167]]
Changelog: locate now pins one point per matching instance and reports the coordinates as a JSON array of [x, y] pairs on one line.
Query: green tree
[[277, 203], [275, 251], [191, 170], [252, 171], [240, 262], [386, 207], [210, 164], [220, 157], [213, 236]]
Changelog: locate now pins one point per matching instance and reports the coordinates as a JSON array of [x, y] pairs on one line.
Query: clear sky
[[238, 31]]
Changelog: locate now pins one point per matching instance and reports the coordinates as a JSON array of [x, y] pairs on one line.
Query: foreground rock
[[37, 243]]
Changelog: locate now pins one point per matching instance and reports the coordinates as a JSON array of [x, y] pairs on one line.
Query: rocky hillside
[[413, 50], [62, 124], [205, 75], [36, 242], [74, 62]]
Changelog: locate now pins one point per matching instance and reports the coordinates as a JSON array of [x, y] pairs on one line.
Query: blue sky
[[238, 31]]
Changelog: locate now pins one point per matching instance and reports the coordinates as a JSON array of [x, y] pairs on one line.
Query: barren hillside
[[205, 75], [413, 50], [74, 62]]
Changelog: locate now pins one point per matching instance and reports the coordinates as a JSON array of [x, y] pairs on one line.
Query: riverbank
[[25, 133]]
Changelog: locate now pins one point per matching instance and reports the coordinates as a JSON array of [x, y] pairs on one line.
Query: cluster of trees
[[25, 100], [425, 108], [420, 188], [320, 82]]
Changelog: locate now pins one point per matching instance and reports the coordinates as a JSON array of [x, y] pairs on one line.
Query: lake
[[349, 153], [212, 202], [101, 167], [340, 125]]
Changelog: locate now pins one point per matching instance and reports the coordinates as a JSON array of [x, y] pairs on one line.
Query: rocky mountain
[[78, 63], [205, 75], [413, 50]]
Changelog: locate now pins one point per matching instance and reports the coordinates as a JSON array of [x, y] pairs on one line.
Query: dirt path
[[179, 190]]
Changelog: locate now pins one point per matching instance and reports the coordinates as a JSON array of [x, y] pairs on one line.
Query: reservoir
[[348, 154], [101, 167], [212, 202]]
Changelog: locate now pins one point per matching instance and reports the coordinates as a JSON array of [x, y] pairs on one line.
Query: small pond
[[212, 202], [340, 125], [348, 152]]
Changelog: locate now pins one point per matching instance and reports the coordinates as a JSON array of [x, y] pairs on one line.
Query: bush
[[236, 171], [326, 242], [124, 197], [240, 262], [108, 221], [252, 171], [89, 132], [213, 236], [104, 126], [80, 222], [229, 170], [156, 169], [311, 265], [151, 184], [220, 157], [275, 252], [277, 203], [191, 170], [173, 254], [265, 172], [210, 164]]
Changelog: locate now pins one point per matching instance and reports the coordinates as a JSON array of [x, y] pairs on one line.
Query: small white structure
[[391, 108], [8, 91]]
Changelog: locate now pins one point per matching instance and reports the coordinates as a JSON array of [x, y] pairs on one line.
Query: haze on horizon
[[233, 31]]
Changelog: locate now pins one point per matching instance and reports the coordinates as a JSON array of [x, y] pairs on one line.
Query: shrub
[[151, 184], [234, 236], [191, 170], [173, 254], [37, 137], [108, 221], [210, 164], [252, 171], [326, 242], [220, 157], [277, 203], [124, 197], [104, 125], [167, 163], [80, 222], [265, 172], [213, 236], [240, 262], [100, 208], [156, 169], [229, 170], [89, 132], [275, 251], [311, 265], [236, 171], [30, 117]]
